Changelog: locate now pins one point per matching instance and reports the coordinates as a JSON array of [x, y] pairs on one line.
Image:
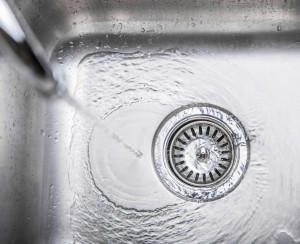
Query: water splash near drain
[[98, 123]]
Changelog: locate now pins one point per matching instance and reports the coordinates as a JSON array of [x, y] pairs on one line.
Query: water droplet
[[43, 133], [98, 45], [74, 23], [143, 30], [279, 28]]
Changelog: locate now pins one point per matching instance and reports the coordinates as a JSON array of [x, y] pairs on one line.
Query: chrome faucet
[[21, 46]]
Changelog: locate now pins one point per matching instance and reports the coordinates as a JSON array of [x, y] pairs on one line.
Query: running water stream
[[100, 125]]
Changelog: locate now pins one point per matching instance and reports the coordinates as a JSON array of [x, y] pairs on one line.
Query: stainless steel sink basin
[[132, 63]]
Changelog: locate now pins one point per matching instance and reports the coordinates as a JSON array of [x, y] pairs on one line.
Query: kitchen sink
[[132, 63]]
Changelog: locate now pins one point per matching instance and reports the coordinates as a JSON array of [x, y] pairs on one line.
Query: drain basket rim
[[239, 165]]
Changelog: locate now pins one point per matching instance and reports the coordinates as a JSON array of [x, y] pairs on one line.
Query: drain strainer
[[201, 152]]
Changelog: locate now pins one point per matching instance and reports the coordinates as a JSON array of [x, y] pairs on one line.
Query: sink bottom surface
[[104, 193]]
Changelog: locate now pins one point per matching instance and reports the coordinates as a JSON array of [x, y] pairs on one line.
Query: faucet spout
[[20, 45]]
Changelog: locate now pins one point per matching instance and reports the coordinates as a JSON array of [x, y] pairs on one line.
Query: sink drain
[[201, 152]]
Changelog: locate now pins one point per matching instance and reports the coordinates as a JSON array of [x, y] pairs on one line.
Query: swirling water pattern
[[119, 199]]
